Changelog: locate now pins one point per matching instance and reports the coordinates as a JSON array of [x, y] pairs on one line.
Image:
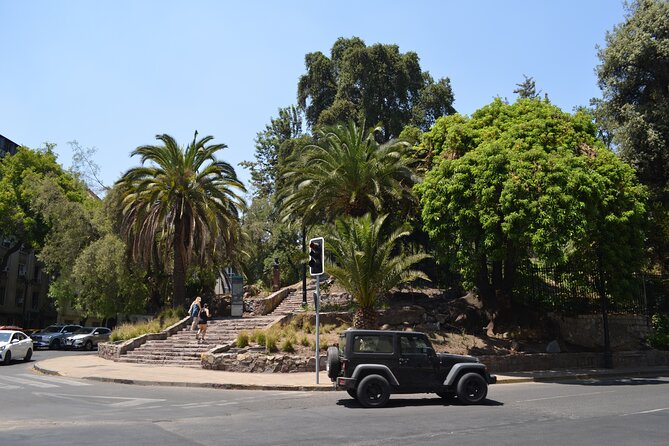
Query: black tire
[[88, 346], [333, 365], [373, 391], [352, 394], [55, 344], [472, 388], [8, 358], [29, 354]]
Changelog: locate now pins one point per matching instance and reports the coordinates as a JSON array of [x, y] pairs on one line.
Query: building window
[[2, 295], [19, 297], [35, 301]]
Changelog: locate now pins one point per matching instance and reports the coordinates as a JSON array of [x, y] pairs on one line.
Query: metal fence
[[572, 291]]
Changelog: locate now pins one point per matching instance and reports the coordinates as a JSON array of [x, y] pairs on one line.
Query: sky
[[112, 74]]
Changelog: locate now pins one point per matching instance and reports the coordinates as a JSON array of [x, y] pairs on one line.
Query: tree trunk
[[179, 271], [366, 319]]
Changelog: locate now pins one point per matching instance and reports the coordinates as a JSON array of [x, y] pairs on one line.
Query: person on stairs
[[194, 312], [204, 318]]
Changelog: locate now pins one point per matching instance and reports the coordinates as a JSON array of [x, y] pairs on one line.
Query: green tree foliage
[[273, 145], [376, 84], [634, 78], [181, 208], [347, 172], [369, 262], [525, 183], [18, 176], [527, 89]]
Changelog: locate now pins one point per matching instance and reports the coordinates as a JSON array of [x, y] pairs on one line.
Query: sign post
[[317, 268]]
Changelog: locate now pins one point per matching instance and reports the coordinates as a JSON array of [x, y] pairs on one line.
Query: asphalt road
[[38, 410]]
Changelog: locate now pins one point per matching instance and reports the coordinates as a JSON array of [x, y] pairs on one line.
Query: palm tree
[[346, 172], [369, 263], [183, 206]]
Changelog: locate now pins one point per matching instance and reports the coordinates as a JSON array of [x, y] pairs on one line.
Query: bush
[[258, 336], [242, 339], [270, 342], [287, 345], [660, 338], [127, 331]]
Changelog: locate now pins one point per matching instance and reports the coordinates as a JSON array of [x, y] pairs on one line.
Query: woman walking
[[194, 312], [204, 318]]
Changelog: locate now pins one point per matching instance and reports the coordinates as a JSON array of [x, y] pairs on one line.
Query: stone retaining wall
[[268, 304], [113, 350], [626, 332], [556, 361], [250, 361]]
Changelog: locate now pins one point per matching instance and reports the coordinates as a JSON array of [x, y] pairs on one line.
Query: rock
[[553, 347]]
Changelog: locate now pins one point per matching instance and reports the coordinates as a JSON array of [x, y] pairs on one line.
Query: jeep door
[[416, 369]]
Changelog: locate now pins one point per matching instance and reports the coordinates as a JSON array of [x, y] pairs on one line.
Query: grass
[[298, 335], [127, 331]]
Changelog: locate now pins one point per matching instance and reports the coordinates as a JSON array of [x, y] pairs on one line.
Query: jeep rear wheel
[[373, 391], [472, 388], [333, 365]]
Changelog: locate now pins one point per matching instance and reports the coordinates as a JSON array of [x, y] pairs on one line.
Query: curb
[[503, 379]]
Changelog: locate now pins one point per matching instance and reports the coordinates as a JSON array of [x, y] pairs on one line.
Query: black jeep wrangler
[[372, 364]]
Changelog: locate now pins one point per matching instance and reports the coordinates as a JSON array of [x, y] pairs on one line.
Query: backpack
[[195, 311]]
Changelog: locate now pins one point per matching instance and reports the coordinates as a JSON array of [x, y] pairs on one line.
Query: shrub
[[242, 339], [660, 338], [304, 341], [258, 336], [127, 331], [270, 342], [287, 345]]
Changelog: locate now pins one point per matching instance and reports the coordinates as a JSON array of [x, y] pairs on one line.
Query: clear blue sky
[[112, 74]]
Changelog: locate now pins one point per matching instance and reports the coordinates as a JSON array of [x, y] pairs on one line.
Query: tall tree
[[369, 263], [375, 84], [19, 175], [527, 89], [184, 202], [273, 146], [347, 172], [529, 183], [634, 78]]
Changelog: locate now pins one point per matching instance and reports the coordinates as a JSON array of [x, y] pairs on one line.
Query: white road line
[[28, 382], [645, 412], [56, 379], [565, 396], [229, 403], [9, 387]]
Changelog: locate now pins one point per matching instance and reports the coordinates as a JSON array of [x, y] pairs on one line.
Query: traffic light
[[316, 256]]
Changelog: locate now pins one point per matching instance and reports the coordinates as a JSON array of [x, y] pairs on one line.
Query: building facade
[[24, 288]]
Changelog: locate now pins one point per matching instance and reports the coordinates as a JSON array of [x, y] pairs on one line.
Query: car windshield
[[52, 329], [85, 330], [4, 337]]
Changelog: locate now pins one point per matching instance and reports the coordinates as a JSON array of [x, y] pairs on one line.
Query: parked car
[[14, 345], [52, 336], [372, 364], [87, 337]]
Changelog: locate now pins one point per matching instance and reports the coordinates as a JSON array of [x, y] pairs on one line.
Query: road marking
[[56, 379], [564, 396], [229, 403], [645, 412], [9, 387], [28, 382], [121, 401]]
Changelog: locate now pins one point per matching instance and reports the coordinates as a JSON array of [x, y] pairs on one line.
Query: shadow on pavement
[[646, 381], [399, 402]]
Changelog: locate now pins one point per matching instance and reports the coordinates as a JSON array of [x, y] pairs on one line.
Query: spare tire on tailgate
[[333, 365]]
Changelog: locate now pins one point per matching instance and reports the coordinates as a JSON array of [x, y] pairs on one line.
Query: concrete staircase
[[182, 349]]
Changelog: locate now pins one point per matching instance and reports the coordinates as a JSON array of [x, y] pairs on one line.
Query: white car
[[14, 345]]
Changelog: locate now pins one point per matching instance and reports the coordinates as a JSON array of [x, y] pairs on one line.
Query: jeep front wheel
[[472, 388], [373, 391]]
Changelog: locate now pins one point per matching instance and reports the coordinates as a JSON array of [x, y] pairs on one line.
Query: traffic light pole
[[318, 325]]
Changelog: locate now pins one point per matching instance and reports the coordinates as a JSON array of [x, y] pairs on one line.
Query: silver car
[[87, 337]]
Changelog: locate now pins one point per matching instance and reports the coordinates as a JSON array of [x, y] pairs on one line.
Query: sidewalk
[[95, 368]]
